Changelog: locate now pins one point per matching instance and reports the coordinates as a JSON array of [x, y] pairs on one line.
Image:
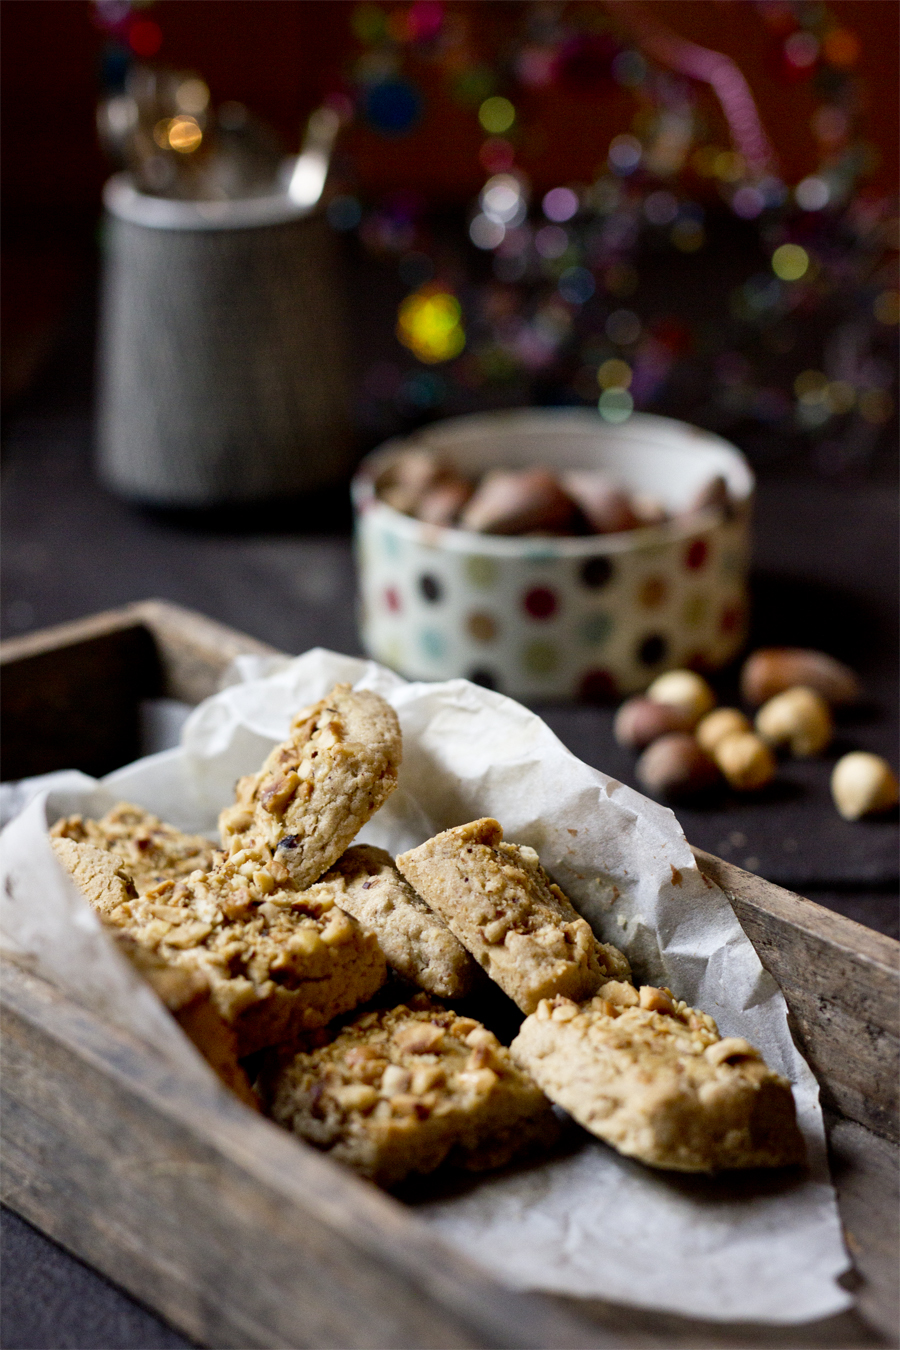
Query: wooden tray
[[242, 1236]]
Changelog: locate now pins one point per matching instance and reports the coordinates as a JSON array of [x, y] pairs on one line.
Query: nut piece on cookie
[[404, 1090], [277, 962], [503, 907], [151, 850], [653, 1078], [418, 944], [319, 787]]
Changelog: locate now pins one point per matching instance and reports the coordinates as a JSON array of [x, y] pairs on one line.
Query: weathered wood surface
[[242, 1236], [231, 1228], [71, 694], [842, 986], [194, 651], [864, 1169], [79, 711]]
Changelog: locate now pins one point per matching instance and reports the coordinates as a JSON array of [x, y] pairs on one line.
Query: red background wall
[[281, 56]]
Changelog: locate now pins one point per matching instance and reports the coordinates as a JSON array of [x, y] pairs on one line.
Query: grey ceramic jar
[[222, 363]]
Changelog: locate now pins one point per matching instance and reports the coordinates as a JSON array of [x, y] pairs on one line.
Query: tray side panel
[[865, 1170], [841, 982], [228, 1227], [70, 697], [71, 694], [77, 706], [195, 651], [242, 1237]]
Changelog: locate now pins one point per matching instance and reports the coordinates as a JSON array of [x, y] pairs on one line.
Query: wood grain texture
[[864, 1169], [79, 711], [237, 1233], [71, 694], [194, 651], [240, 1235], [842, 986]]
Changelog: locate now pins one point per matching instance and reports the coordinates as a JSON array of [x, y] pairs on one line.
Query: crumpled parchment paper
[[759, 1247]]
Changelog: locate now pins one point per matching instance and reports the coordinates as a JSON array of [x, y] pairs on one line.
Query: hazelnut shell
[[863, 784], [771, 670], [640, 721], [675, 766]]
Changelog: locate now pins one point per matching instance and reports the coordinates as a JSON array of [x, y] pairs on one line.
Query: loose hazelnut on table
[[683, 689], [771, 670], [639, 721], [863, 784], [675, 766], [798, 718], [745, 760], [718, 724]]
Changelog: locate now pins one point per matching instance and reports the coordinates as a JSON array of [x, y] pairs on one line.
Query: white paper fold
[[763, 1248]]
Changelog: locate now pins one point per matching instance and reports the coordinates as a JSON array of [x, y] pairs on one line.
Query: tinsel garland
[[600, 292], [803, 345]]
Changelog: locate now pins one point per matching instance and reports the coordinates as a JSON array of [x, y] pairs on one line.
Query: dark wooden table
[[825, 574]]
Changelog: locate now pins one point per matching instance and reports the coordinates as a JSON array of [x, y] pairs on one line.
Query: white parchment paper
[[589, 1223]]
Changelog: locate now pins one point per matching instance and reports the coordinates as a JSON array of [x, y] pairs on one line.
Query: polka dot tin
[[593, 617]]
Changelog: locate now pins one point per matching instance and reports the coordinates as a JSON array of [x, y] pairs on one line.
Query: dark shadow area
[[322, 511], [450, 1182], [64, 1305], [792, 612]]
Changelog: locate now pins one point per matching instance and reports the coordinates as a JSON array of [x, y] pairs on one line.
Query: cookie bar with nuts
[[278, 962], [188, 997], [515, 921], [319, 787], [406, 1089], [653, 1078], [417, 943], [104, 880], [102, 877], [151, 850]]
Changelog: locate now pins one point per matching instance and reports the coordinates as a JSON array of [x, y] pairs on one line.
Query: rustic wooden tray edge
[[240, 1235], [788, 931]]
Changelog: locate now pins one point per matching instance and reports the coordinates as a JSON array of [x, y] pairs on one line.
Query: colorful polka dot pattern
[[540, 602], [434, 644], [481, 572], [540, 657], [652, 592], [594, 627], [482, 627]]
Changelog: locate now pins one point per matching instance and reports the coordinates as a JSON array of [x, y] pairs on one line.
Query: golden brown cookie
[[151, 850], [515, 921], [101, 876], [653, 1078], [417, 943], [319, 787], [277, 962], [404, 1090]]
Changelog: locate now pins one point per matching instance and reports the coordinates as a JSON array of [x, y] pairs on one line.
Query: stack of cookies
[[315, 976]]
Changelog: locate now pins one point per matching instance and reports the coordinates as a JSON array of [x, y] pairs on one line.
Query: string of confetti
[[804, 347], [712, 68]]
